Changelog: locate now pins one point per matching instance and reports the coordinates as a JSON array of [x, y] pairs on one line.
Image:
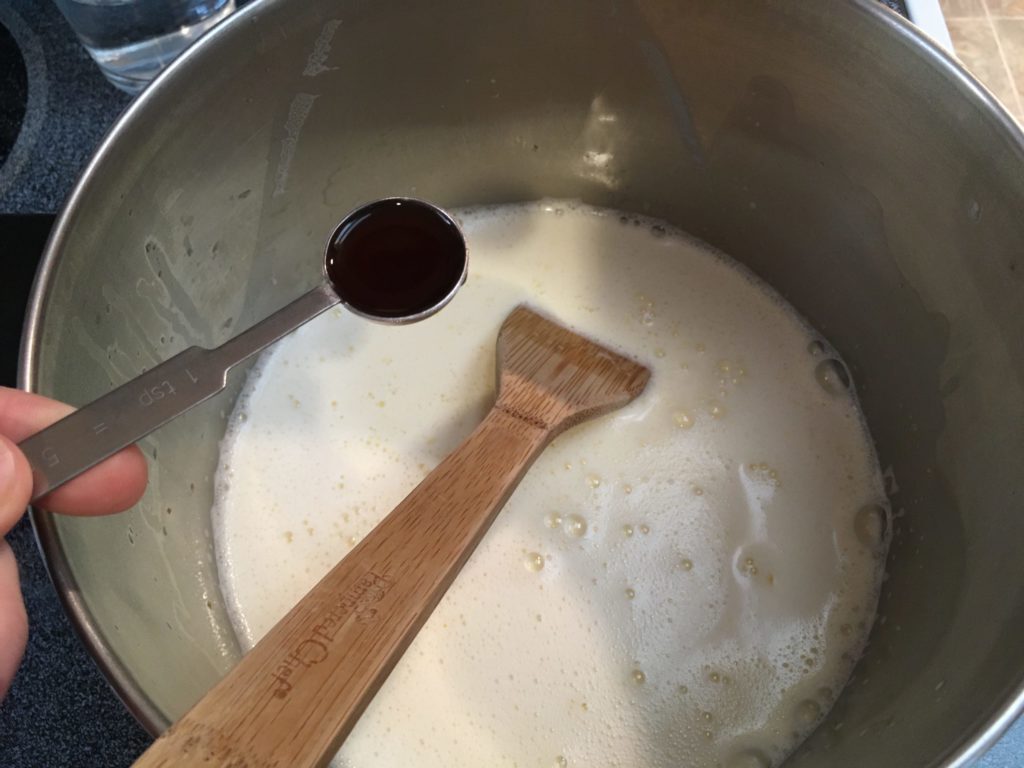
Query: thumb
[[15, 484]]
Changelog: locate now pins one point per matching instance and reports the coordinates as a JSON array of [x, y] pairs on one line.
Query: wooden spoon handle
[[296, 695]]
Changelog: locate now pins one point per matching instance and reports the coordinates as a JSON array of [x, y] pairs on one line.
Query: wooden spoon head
[[554, 378]]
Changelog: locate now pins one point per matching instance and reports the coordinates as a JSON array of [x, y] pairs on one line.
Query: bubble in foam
[[807, 712], [871, 524], [534, 561], [816, 348], [683, 419], [627, 530], [553, 520], [630, 593], [638, 676], [832, 376], [575, 526]]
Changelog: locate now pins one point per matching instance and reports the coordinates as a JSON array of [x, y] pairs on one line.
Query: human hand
[[111, 486]]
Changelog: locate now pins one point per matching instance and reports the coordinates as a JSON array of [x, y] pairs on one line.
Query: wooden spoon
[[295, 696]]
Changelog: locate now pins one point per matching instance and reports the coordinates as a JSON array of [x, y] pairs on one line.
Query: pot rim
[[90, 633]]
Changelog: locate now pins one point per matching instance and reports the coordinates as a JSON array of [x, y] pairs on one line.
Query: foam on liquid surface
[[686, 581]]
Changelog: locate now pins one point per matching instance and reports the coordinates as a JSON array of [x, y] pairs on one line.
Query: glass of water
[[132, 40]]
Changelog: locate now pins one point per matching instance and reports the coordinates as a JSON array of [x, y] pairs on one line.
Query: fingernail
[[7, 479], [6, 465]]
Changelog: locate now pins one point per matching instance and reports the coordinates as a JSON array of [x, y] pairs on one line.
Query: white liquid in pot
[[686, 581]]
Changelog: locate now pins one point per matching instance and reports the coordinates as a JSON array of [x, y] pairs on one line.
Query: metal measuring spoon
[[395, 261]]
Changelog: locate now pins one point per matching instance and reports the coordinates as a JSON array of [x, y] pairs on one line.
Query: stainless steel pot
[[827, 145]]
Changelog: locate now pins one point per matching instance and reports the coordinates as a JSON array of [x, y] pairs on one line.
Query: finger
[[15, 484], [111, 486], [114, 485], [13, 622]]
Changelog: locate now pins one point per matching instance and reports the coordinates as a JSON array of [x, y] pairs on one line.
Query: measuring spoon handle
[[119, 418]]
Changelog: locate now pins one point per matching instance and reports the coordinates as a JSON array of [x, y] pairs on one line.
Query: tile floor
[[988, 36]]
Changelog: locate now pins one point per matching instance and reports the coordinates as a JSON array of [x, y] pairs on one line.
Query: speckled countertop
[[60, 711]]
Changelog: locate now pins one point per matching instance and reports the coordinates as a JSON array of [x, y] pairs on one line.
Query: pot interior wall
[[820, 144]]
